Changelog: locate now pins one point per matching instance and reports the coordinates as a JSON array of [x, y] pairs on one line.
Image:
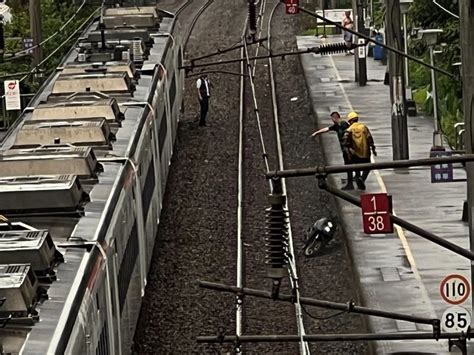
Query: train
[[83, 173]]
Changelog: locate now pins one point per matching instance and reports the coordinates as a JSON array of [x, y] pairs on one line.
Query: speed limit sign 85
[[455, 319]]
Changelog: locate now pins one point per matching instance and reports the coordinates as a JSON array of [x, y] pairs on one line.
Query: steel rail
[[182, 7], [333, 337], [395, 164], [368, 39], [194, 21], [349, 307], [292, 269], [402, 223], [239, 326]]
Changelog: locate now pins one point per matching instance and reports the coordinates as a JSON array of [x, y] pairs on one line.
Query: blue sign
[[28, 43], [441, 172]]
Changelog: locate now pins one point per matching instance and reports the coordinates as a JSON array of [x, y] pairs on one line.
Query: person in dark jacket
[[339, 126], [204, 93]]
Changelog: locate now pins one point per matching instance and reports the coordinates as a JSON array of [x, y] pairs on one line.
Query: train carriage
[[82, 179]]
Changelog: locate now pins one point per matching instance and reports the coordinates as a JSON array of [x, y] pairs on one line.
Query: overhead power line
[[33, 70], [24, 52]]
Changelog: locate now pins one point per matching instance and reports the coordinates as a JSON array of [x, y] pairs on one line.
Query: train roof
[[97, 91]]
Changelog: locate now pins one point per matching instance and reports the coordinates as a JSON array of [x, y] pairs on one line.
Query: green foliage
[[424, 14], [54, 14]]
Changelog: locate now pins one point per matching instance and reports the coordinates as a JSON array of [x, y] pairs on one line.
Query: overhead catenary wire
[[33, 70], [24, 52], [257, 113], [368, 39]]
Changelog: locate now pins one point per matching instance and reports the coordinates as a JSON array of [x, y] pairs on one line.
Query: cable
[[60, 46], [321, 318], [24, 52], [254, 97], [445, 9]]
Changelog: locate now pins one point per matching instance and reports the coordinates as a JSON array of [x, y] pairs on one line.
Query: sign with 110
[[455, 289]]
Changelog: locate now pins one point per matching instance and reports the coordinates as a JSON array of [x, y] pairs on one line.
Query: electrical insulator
[[276, 237], [252, 18], [332, 48]]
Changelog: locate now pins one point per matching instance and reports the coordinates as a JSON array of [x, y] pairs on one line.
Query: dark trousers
[[357, 160], [204, 108], [347, 161]]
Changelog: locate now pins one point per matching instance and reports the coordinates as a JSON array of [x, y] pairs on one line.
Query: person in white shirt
[[204, 93]]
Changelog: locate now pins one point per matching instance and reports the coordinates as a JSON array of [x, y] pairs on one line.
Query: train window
[[162, 131], [148, 189], [172, 92], [127, 265]]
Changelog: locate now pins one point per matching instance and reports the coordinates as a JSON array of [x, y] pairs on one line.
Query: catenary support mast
[[466, 9], [397, 83]]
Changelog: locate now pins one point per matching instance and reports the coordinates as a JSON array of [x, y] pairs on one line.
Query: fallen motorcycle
[[318, 236]]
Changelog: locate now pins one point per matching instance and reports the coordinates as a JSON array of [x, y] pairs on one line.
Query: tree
[[425, 14]]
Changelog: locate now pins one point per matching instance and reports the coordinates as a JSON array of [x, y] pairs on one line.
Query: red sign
[[291, 6], [12, 85], [376, 209], [455, 289]]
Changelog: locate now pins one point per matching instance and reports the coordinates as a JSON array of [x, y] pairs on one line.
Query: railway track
[[197, 237], [268, 135]]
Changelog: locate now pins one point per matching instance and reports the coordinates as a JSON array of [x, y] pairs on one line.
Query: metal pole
[[405, 42], [337, 169], [324, 23], [348, 307], [372, 11], [2, 40], [332, 337], [397, 84], [437, 140], [35, 27], [466, 9], [361, 66]]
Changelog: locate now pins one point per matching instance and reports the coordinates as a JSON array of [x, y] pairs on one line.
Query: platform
[[401, 271]]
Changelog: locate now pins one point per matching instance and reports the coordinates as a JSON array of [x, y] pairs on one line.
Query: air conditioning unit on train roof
[[118, 83], [18, 286], [50, 160], [40, 194], [35, 247], [94, 134], [137, 20], [138, 10], [79, 109], [100, 67], [118, 36]]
